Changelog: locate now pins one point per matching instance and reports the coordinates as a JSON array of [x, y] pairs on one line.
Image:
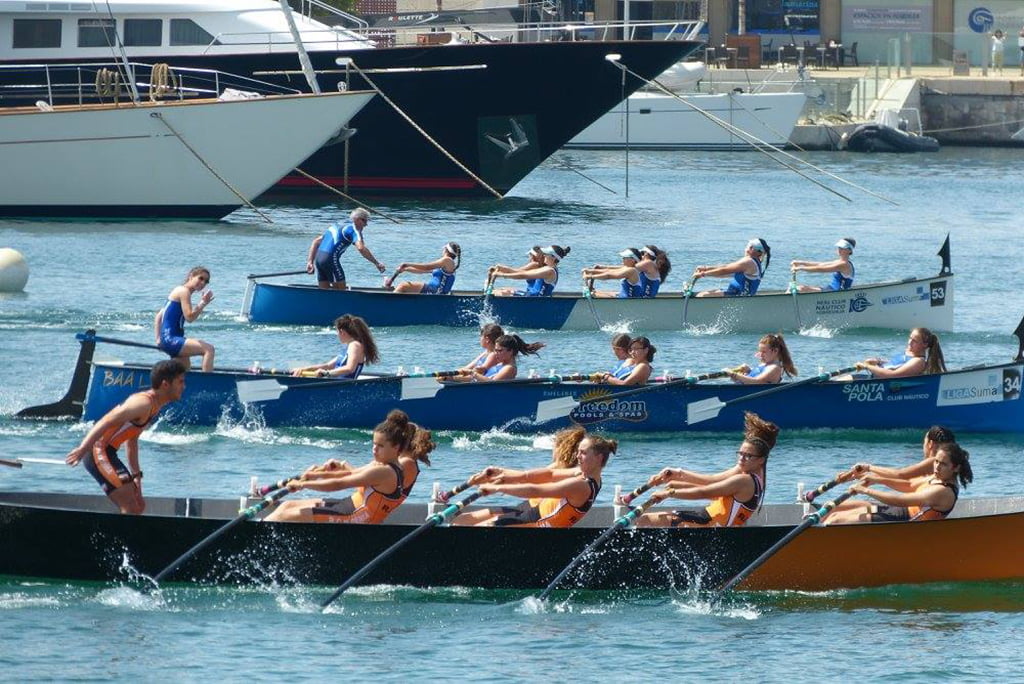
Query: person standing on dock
[[122, 426], [997, 51], [326, 250], [1020, 48]]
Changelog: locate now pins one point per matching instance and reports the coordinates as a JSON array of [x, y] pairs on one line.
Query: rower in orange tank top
[[555, 497]]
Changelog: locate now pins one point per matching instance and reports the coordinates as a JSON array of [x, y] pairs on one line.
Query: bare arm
[[919, 469], [444, 262], [640, 374], [367, 254], [821, 266], [771, 374], [312, 252], [576, 490], [690, 477], [378, 476], [910, 368], [544, 272], [134, 408], [740, 486], [612, 273], [724, 270], [936, 496]]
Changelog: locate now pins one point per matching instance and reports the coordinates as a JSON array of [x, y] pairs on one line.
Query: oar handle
[[267, 489], [11, 463], [254, 276], [637, 492], [443, 497], [821, 377], [810, 496]]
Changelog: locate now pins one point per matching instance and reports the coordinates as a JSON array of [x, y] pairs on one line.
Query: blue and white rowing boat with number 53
[[899, 304]]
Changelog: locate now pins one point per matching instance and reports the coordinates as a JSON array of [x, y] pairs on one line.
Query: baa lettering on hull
[[601, 405], [124, 378], [980, 387]]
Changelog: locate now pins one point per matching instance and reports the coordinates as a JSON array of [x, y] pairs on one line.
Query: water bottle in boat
[[255, 369]]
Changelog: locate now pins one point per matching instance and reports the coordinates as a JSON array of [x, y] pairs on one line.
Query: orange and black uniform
[[366, 505], [915, 513], [103, 463], [548, 512], [725, 511]]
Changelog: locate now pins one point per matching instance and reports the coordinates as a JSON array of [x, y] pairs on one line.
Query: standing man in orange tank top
[[122, 426]]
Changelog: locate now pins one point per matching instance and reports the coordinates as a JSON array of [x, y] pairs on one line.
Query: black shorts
[[691, 516], [890, 514], [116, 469], [328, 268], [523, 514], [335, 507]]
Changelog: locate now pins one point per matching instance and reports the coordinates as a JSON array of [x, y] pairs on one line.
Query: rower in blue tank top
[[344, 370], [653, 268], [775, 361], [622, 370], [442, 273], [923, 354], [841, 268], [169, 323], [626, 273], [541, 279], [359, 348], [746, 273]]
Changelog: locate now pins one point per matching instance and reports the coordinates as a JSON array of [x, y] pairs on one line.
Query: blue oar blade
[[705, 409]]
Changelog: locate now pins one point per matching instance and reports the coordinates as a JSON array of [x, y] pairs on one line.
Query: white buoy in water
[[13, 270]]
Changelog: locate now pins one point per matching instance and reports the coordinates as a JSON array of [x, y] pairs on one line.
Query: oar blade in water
[[250, 391], [420, 388], [705, 409], [550, 409]]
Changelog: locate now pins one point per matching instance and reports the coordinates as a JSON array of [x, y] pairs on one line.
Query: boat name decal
[[601, 405], [980, 387], [842, 305], [121, 378], [920, 295], [877, 391]]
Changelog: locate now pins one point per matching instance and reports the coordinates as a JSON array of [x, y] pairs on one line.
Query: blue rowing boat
[[901, 304], [977, 399]]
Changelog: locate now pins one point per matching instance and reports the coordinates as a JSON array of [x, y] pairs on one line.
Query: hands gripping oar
[[550, 409], [706, 409], [839, 479], [246, 514], [812, 519], [621, 522], [443, 497], [431, 521]]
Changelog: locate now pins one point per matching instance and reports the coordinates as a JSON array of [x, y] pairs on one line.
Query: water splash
[[819, 331], [495, 437]]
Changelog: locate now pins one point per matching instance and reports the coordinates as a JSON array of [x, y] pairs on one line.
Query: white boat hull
[[662, 122], [128, 162]]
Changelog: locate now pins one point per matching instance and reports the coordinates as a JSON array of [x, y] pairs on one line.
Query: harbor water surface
[[701, 208]]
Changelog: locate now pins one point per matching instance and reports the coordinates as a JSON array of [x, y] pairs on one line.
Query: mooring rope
[[159, 116], [348, 197]]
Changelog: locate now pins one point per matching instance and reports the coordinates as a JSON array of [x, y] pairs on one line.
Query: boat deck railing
[[81, 83]]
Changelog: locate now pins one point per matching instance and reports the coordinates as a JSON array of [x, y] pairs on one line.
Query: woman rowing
[[620, 347], [775, 360], [544, 276], [380, 484], [654, 267], [507, 349], [626, 273], [489, 334], [910, 499], [169, 323], [923, 355], [360, 349], [936, 436], [555, 497], [736, 493], [641, 355], [442, 272], [841, 268], [536, 259], [746, 272]]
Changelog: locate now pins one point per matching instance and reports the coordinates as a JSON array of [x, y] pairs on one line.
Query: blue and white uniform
[[540, 287], [622, 370], [172, 328], [493, 370], [335, 241], [757, 370], [341, 360], [898, 360], [744, 285], [628, 290], [841, 282], [440, 282], [649, 286]]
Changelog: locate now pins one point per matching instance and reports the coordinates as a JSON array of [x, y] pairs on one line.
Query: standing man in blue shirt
[[326, 250]]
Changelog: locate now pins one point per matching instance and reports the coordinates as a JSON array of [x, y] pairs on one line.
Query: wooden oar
[[22, 460], [246, 514], [550, 409], [621, 522], [812, 519], [432, 521], [839, 479], [706, 409]]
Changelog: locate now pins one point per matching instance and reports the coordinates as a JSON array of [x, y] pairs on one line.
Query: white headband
[[551, 252], [843, 244], [755, 244]]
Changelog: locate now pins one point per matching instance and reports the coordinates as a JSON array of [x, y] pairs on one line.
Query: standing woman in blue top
[[360, 349], [653, 268], [841, 268], [169, 323], [541, 279], [775, 360], [326, 250], [746, 272], [507, 349], [442, 272], [626, 273]]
